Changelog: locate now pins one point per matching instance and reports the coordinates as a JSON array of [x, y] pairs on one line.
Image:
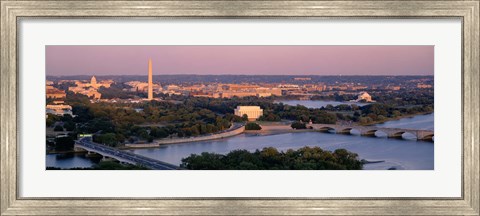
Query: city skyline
[[240, 121], [240, 60]]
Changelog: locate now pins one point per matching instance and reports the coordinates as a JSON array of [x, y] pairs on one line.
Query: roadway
[[124, 155]]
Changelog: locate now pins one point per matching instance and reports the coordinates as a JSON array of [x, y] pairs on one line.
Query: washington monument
[[150, 84]]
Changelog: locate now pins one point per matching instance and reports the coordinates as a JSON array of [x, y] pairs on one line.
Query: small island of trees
[[252, 126], [306, 158], [298, 125]]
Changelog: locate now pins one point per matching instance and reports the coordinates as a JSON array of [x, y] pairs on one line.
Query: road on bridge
[[137, 159]]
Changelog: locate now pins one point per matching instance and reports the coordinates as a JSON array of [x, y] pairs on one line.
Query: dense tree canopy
[[115, 123], [306, 158], [58, 128], [64, 143], [298, 125], [252, 126], [192, 116]]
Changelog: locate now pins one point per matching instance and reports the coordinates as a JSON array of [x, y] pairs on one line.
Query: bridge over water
[[426, 135], [123, 156]]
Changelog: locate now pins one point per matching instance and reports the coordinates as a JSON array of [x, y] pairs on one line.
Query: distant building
[[205, 94], [94, 83], [241, 87], [59, 109], [172, 87], [137, 86], [53, 92], [90, 92], [302, 78], [264, 94], [253, 112], [271, 91], [90, 89], [230, 94], [321, 87], [421, 85], [393, 88], [356, 88], [93, 94], [194, 88], [364, 96], [338, 87], [288, 86]]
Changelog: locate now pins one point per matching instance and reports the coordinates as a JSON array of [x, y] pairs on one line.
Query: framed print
[[244, 107]]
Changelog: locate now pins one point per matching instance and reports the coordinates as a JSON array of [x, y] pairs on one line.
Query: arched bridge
[[123, 156], [426, 135]]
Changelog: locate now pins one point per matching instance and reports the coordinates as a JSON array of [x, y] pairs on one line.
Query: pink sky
[[244, 60]]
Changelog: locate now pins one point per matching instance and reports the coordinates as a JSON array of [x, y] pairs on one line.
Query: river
[[396, 154], [66, 161], [422, 122], [399, 154]]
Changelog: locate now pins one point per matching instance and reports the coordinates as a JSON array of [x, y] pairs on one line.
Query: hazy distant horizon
[[65, 60]]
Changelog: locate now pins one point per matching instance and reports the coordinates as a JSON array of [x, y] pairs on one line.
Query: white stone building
[[364, 96], [253, 112], [90, 89]]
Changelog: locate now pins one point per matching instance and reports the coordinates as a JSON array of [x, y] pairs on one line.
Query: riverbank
[[396, 118], [67, 152], [277, 129], [73, 151], [395, 152], [156, 143]]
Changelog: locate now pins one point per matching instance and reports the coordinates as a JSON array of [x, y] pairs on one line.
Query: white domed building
[[364, 96], [93, 82]]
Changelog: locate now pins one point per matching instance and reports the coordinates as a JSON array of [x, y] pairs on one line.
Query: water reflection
[[66, 161]]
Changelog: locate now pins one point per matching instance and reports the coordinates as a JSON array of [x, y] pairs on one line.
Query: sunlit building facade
[[55, 93], [91, 88], [59, 109], [252, 112], [364, 96]]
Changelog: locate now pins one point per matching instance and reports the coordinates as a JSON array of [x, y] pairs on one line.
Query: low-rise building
[[90, 89], [302, 78], [59, 109], [89, 92], [364, 96], [264, 94], [252, 112], [230, 94], [271, 91], [421, 85], [393, 88], [53, 92]]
